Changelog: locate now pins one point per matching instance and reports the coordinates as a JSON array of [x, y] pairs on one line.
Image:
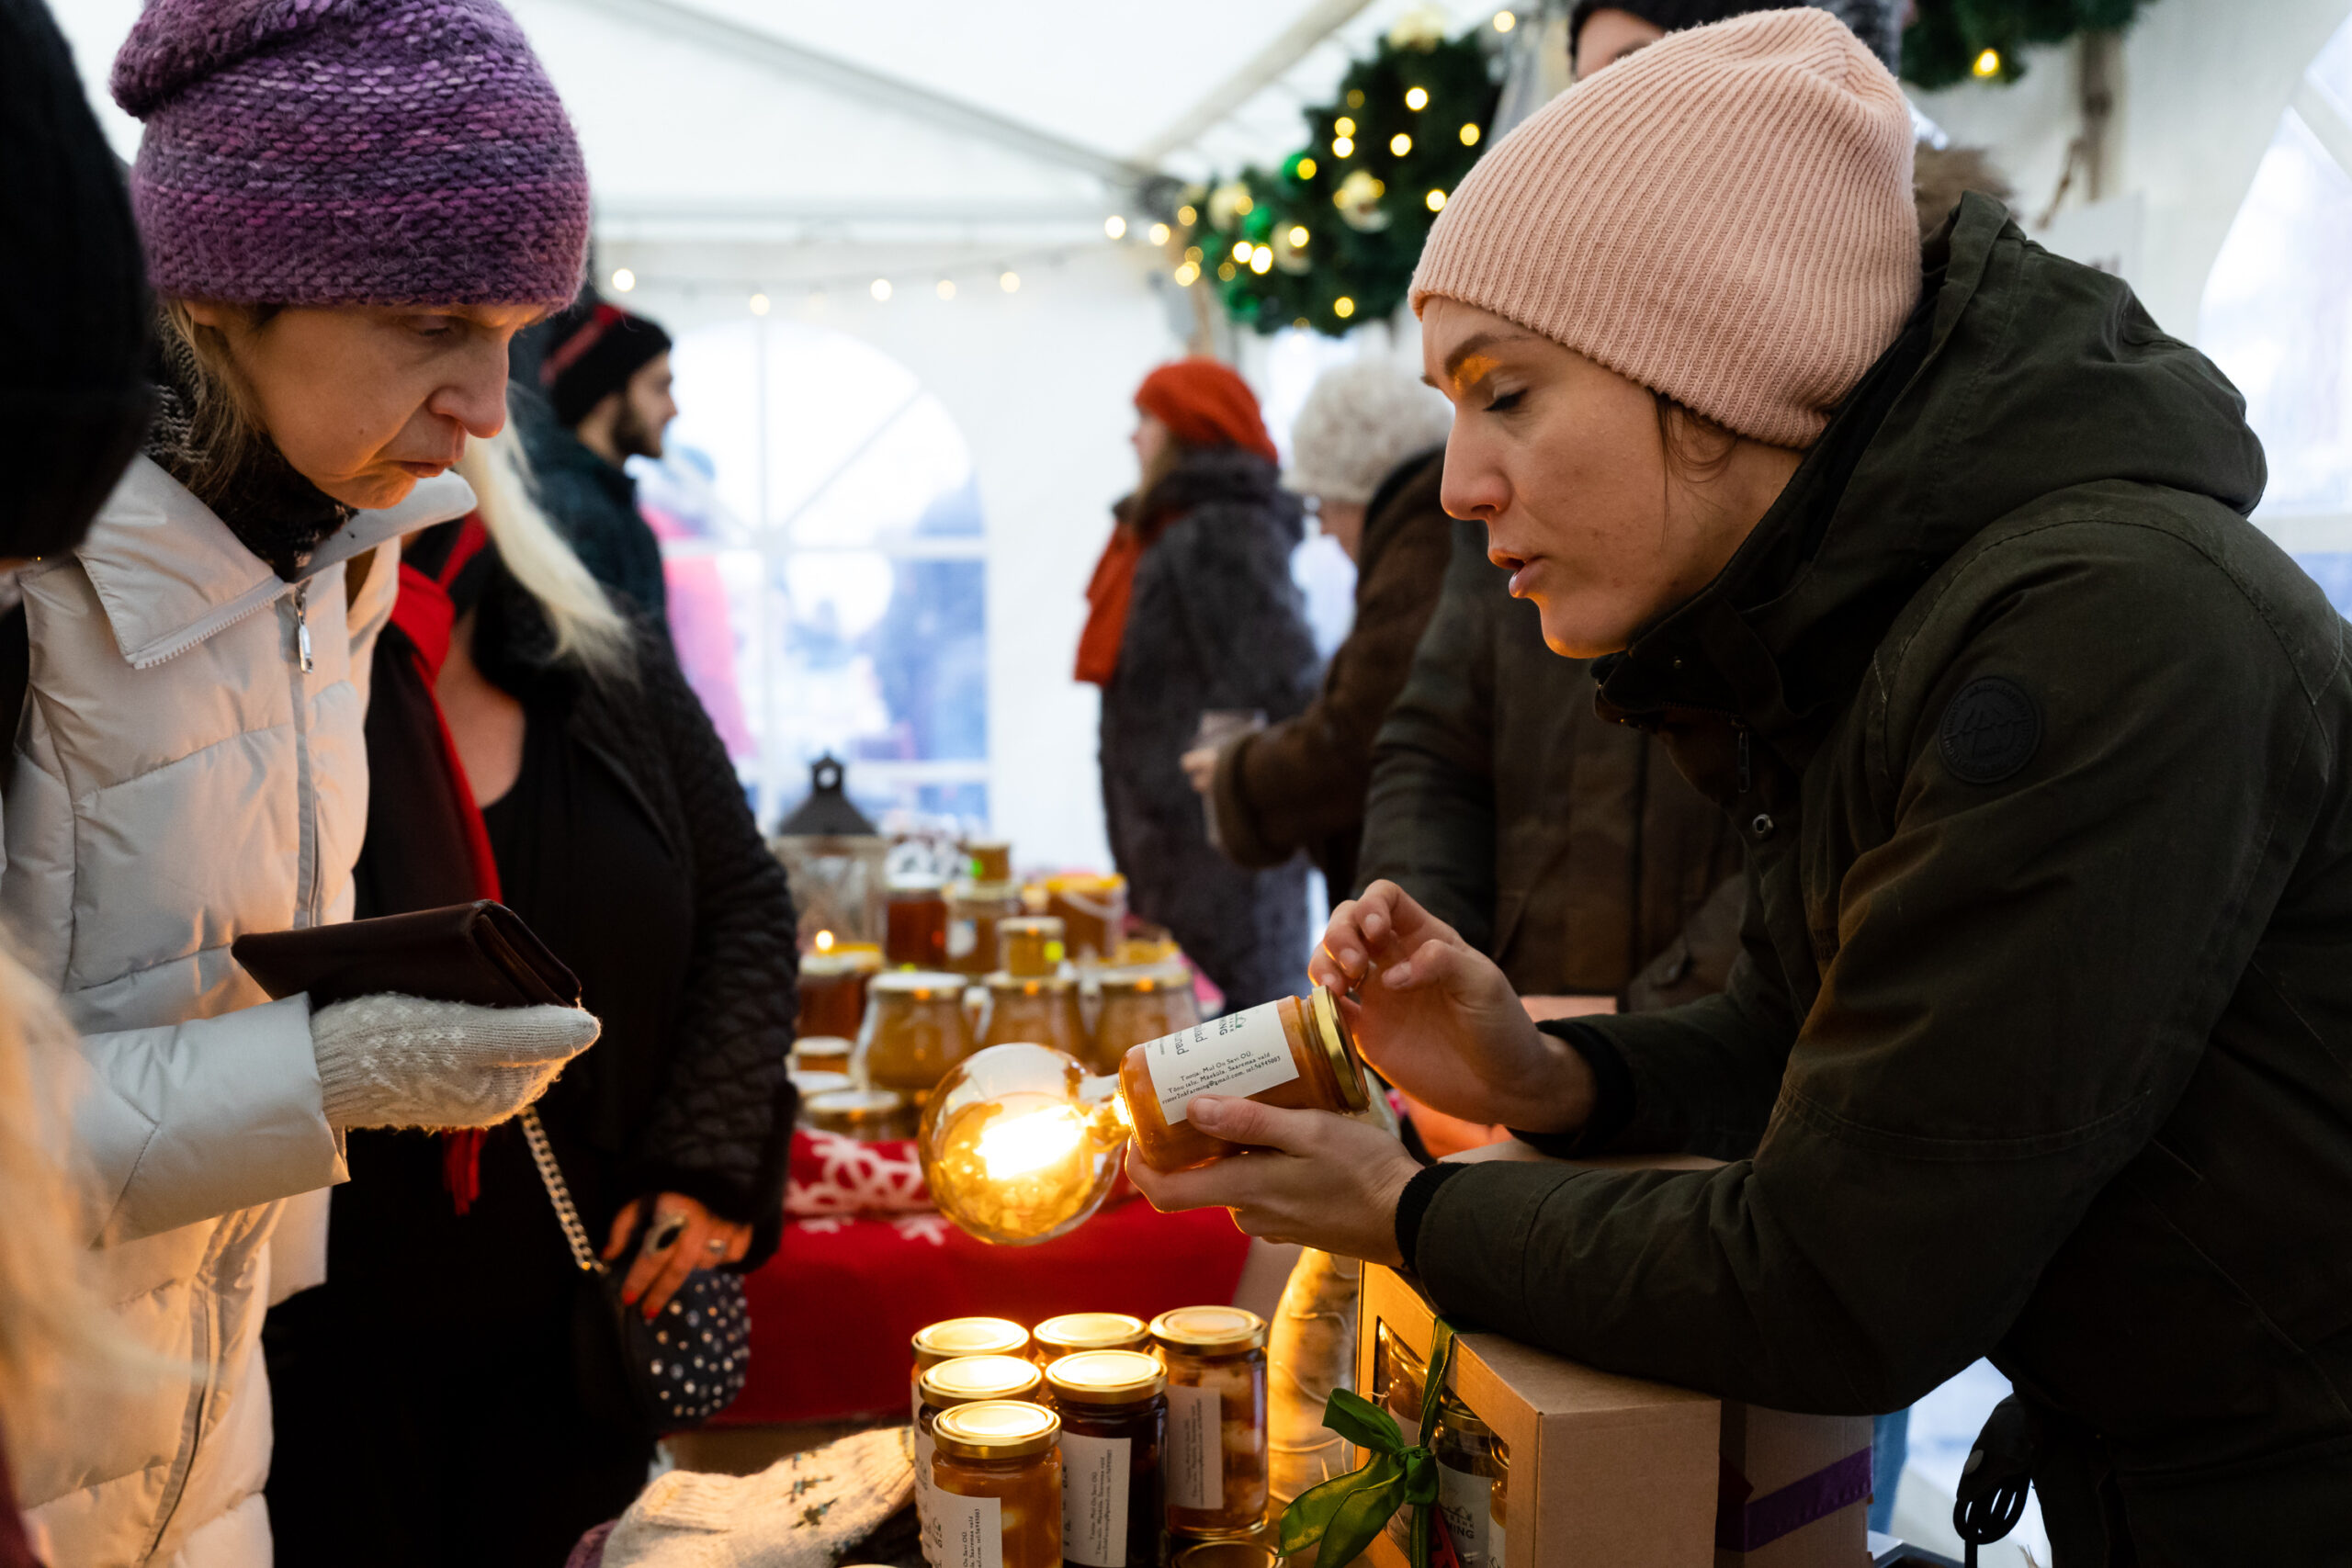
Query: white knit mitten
[[394, 1061], [800, 1512]]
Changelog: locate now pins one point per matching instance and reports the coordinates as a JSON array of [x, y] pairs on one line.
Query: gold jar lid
[[1261, 1533], [919, 985], [1460, 1419], [1045, 928], [954, 1336], [1029, 984], [967, 1378], [1076, 1331], [996, 1429], [820, 1048], [846, 1109], [1330, 1030], [1209, 1329], [1106, 1377], [1148, 977], [861, 958]]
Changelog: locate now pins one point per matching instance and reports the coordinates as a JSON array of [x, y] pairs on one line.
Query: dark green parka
[[2039, 748]]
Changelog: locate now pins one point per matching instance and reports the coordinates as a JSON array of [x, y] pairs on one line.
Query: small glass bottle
[[1114, 1406], [1286, 1053], [915, 1029], [1030, 946], [1042, 1009], [964, 1379], [915, 935], [1075, 1332], [953, 1337], [1472, 1465], [1140, 1005], [833, 990], [996, 1476], [1216, 1418]]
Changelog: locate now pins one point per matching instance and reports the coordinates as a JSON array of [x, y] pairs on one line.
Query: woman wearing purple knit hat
[[1932, 567], [349, 207]]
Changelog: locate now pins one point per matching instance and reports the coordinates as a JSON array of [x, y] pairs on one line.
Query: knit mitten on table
[[798, 1513], [394, 1061]]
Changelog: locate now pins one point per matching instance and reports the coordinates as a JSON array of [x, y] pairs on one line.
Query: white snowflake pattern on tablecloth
[[837, 1175], [931, 1228]]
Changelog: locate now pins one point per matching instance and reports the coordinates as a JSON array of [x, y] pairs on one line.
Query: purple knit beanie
[[351, 152]]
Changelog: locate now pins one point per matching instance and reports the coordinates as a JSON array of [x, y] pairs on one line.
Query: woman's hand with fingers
[[682, 1237], [1439, 1021]]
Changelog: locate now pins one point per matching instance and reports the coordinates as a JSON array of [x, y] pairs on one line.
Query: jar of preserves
[[963, 1380], [1287, 1053], [1114, 1405], [996, 1477], [832, 991], [1041, 1009], [915, 1029], [915, 924], [1398, 1376], [1227, 1553], [991, 859], [868, 1114], [1074, 1332], [950, 1338], [822, 1054], [975, 910], [1140, 1005], [810, 1085], [1472, 1466], [1094, 911], [1216, 1418], [1030, 945]]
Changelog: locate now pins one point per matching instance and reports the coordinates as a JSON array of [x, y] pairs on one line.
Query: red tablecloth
[[833, 1311]]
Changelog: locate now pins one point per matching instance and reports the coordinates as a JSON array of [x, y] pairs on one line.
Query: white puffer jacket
[[189, 766]]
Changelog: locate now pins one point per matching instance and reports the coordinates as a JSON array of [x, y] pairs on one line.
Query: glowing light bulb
[[824, 943], [1987, 64], [759, 304], [1470, 135], [1436, 200], [1260, 259], [1341, 146], [1307, 168], [1188, 215], [1505, 21], [1115, 226], [623, 280], [1241, 249], [1243, 205], [1186, 273], [1400, 144], [1343, 126], [1355, 97], [1344, 307], [1226, 272], [1010, 282], [1018, 1145], [881, 289], [1298, 234], [1159, 233], [1193, 253], [1416, 98], [1026, 1145]]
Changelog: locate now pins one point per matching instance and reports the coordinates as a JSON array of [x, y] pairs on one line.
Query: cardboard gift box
[[1632, 1474]]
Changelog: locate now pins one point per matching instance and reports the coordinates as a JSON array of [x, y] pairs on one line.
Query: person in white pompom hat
[[1368, 448]]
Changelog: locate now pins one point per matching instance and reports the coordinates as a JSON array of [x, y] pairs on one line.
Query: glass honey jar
[[1094, 911], [915, 924], [963, 1379], [866, 1114], [1114, 1405], [1042, 1009], [1216, 1418], [1030, 945], [822, 1053], [1473, 1473], [1295, 1055], [1139, 1005], [832, 991], [915, 1029], [810, 1085], [996, 1476], [975, 911], [1075, 1332]]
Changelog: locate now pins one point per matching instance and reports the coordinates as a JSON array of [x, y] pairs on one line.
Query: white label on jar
[[1495, 1533], [1467, 1503], [1094, 1500], [1196, 1447], [926, 1518], [971, 1529], [1241, 1054], [963, 936]]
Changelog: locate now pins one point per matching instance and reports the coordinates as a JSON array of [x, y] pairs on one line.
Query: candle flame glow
[[1025, 1143]]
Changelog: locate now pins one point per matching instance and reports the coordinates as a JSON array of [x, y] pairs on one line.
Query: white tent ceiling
[[826, 116]]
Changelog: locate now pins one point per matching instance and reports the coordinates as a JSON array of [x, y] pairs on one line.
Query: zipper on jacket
[[306, 795], [302, 627]]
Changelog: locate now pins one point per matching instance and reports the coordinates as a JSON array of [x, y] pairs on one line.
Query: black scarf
[[273, 510]]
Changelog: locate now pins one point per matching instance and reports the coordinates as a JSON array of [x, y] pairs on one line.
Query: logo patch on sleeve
[[1991, 731]]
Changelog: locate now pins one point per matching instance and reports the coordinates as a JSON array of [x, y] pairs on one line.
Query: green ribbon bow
[[1342, 1515]]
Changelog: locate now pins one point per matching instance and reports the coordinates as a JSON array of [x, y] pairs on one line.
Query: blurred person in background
[[609, 817], [1368, 449], [187, 763], [1192, 614], [604, 380]]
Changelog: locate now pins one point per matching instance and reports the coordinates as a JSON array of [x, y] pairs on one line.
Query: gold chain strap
[[559, 1194]]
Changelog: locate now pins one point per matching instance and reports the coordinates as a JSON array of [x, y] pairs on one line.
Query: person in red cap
[[1195, 629]]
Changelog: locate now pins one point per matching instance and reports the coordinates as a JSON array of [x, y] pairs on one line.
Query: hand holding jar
[[1441, 1022]]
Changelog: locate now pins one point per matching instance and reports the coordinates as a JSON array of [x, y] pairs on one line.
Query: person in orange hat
[[1195, 629]]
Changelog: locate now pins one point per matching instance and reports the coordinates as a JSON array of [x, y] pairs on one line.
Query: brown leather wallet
[[480, 952]]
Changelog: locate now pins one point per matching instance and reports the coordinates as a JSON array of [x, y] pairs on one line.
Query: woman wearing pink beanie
[[349, 206], [1934, 571]]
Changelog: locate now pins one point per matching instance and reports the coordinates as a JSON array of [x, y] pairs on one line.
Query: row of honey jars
[[916, 1028]]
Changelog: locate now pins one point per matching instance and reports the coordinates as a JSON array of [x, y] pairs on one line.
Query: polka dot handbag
[[676, 1371]]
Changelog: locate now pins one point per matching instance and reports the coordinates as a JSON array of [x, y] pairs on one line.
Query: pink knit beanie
[[1725, 217]]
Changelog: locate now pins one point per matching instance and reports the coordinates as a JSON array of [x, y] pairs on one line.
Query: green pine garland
[[1360, 239], [1947, 41]]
